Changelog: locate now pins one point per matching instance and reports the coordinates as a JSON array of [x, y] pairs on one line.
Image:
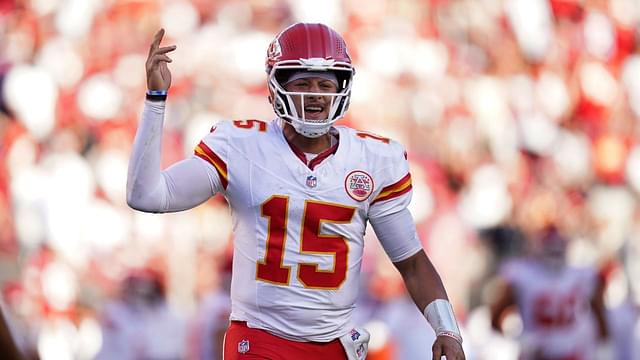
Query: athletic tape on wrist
[[439, 314]]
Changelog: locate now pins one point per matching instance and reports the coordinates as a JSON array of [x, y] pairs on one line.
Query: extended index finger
[[157, 38]]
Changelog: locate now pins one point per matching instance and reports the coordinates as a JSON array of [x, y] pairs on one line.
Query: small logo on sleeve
[[359, 185], [243, 346]]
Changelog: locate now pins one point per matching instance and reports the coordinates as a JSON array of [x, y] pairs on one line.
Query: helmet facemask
[[283, 100]]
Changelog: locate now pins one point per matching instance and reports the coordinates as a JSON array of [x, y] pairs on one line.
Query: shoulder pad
[[239, 128], [378, 144]]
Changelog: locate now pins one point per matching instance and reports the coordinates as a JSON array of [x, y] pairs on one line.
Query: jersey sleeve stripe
[[204, 152], [393, 195], [395, 186], [400, 187]]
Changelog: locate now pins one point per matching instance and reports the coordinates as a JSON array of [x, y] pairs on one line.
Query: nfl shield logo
[[243, 346], [312, 181]]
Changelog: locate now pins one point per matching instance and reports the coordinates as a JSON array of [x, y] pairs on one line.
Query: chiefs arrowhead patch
[[359, 185]]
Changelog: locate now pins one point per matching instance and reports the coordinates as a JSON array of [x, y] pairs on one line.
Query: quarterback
[[300, 191]]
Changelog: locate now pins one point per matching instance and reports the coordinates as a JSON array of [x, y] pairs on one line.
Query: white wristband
[[439, 314]]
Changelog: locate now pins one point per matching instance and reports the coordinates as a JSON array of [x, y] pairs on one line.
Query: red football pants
[[244, 343]]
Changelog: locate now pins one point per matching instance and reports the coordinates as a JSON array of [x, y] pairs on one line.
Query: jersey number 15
[[272, 269]]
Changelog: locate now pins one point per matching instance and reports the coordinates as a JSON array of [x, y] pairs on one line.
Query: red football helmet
[[313, 48]]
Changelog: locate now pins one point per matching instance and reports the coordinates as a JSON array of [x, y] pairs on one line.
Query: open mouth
[[313, 111]]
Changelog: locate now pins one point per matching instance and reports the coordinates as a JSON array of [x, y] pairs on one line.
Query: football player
[[561, 307], [8, 345], [301, 191], [133, 323]]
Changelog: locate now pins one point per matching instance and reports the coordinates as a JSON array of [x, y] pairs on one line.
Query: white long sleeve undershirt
[[182, 186], [397, 234]]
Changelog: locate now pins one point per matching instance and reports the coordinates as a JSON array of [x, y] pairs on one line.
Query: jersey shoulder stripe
[[394, 190], [204, 152]]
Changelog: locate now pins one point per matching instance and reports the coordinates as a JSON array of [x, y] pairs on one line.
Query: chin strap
[[439, 314]]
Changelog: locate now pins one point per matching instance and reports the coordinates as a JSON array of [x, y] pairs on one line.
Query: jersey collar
[[321, 156]]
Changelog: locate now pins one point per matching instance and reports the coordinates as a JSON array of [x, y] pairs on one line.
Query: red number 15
[[271, 268]]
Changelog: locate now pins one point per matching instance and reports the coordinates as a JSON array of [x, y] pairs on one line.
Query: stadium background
[[515, 114]]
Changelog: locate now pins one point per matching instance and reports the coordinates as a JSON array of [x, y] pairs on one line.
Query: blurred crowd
[[516, 115]]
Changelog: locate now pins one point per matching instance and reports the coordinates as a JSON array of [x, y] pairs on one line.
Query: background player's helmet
[[143, 287], [313, 48], [553, 246]]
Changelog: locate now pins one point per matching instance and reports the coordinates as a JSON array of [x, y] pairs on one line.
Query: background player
[[561, 306], [8, 346]]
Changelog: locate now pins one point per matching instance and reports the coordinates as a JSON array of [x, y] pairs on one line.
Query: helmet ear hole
[[279, 105]]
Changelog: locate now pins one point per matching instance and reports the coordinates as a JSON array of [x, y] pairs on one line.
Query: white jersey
[[211, 318], [299, 228], [554, 307], [132, 332]]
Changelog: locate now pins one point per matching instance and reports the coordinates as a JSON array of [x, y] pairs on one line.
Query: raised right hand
[[158, 74]]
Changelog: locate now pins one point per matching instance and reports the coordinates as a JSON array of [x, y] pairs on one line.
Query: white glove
[[356, 343]]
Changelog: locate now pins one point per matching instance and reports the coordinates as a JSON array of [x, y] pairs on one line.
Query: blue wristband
[[156, 95], [157, 92]]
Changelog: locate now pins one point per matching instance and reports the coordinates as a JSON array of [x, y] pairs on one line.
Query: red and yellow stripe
[[204, 152], [400, 187]]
